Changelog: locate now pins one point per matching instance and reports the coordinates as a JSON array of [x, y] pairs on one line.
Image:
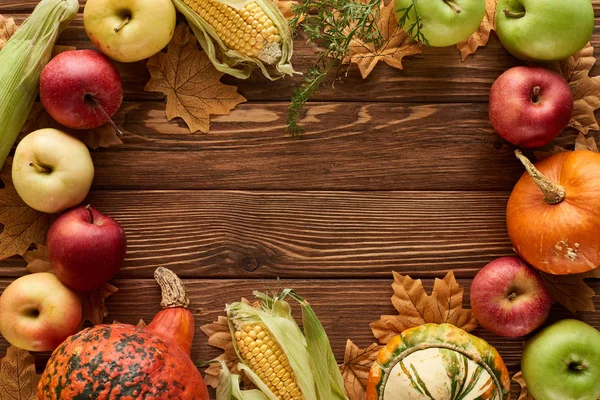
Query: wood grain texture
[[305, 234], [345, 307]]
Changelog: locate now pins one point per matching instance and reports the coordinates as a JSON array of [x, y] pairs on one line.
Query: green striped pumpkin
[[438, 362]]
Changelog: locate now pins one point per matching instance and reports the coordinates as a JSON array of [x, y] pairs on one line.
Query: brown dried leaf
[[524, 395], [586, 89], [571, 290], [23, 225], [94, 309], [355, 369], [191, 83], [103, 136], [37, 260], [415, 307], [18, 379], [481, 36], [285, 6], [219, 336], [7, 28], [396, 45], [586, 143], [540, 155], [141, 324]]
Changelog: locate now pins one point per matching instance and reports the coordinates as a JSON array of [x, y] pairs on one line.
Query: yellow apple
[[38, 312], [52, 171], [129, 30]]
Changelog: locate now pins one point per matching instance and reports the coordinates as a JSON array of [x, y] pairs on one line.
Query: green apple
[[52, 171], [443, 22], [562, 362], [129, 30], [544, 30]]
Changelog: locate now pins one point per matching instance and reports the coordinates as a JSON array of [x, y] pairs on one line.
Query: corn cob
[[240, 34]]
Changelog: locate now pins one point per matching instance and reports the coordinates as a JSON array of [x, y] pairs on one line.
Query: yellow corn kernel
[[266, 358], [255, 36]]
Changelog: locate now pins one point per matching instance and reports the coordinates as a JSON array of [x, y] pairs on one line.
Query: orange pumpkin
[[553, 214]]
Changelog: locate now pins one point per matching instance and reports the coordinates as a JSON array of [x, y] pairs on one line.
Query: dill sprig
[[331, 24], [414, 30]]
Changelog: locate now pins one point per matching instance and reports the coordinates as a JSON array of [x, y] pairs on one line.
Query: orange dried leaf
[[23, 225], [37, 260], [571, 290], [191, 83], [586, 143], [18, 379], [94, 309], [524, 395], [481, 36], [355, 369], [586, 89], [415, 307], [103, 136], [396, 45], [7, 28]]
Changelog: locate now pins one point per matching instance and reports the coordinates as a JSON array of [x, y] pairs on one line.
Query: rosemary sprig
[[332, 24], [414, 30]]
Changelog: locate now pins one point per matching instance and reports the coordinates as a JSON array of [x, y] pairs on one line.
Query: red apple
[[508, 297], [38, 312], [530, 106], [86, 248], [81, 89]]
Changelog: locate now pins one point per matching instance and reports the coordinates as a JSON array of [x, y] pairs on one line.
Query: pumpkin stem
[[173, 291], [553, 193]]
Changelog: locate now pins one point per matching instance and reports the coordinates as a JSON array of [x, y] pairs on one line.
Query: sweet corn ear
[[240, 34]]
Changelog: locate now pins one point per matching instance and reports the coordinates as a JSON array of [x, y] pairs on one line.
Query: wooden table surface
[[399, 172]]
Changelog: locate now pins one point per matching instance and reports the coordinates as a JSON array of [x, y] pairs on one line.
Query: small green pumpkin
[[438, 362]]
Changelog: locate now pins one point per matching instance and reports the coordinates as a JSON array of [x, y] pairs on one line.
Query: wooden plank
[[436, 76], [344, 307], [346, 146], [236, 234]]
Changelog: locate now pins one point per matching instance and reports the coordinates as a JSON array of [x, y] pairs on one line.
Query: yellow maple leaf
[[18, 379], [356, 367], [7, 28], [191, 83], [94, 309], [416, 307], [482, 35], [396, 45], [37, 260], [586, 89], [23, 225]]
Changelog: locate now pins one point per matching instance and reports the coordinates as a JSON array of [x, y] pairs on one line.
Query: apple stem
[[89, 209], [454, 6], [95, 103], [39, 168], [511, 14], [535, 93], [553, 193], [122, 24]]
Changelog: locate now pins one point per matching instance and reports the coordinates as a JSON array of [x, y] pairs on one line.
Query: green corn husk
[[21, 62], [309, 353], [232, 62], [229, 387]]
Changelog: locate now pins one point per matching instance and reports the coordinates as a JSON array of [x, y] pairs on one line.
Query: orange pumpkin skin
[[562, 238], [121, 362]]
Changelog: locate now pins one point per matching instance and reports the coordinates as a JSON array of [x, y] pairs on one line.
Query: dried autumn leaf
[[141, 324], [37, 260], [586, 89], [355, 369], [524, 395], [541, 154], [219, 336], [571, 290], [23, 225], [18, 379], [481, 36], [586, 143], [396, 45], [7, 28], [94, 309], [191, 83], [103, 136], [415, 307], [286, 8]]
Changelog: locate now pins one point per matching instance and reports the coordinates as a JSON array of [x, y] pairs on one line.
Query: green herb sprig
[[331, 24], [414, 30]]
